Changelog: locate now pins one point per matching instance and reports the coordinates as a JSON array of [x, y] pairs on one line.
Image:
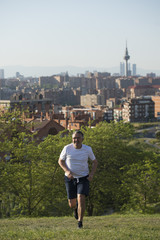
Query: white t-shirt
[[77, 159]]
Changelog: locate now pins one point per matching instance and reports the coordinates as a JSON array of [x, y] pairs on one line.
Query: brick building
[[44, 127], [73, 118]]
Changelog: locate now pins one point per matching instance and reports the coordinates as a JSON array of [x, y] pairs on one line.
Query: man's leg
[[72, 203], [81, 206], [71, 188], [82, 192]]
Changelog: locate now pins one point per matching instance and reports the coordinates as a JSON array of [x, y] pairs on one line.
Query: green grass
[[145, 125], [114, 227]]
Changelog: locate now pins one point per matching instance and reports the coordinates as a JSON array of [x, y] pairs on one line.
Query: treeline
[[32, 183]]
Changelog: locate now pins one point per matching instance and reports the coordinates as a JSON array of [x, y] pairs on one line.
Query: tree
[[142, 180], [158, 134], [28, 171], [109, 142], [32, 183]]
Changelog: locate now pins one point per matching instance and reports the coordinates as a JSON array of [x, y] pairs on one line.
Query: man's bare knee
[[72, 203], [81, 197]]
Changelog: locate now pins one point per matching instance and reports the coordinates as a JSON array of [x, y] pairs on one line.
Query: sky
[[79, 33]]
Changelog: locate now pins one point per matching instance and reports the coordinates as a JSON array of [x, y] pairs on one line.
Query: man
[[74, 161]]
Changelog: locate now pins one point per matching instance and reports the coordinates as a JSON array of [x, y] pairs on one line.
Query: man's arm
[[93, 170], [64, 167]]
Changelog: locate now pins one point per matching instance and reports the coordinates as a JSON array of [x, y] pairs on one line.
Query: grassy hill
[[114, 227]]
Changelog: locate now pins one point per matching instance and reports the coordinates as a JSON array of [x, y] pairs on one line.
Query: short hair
[[79, 132]]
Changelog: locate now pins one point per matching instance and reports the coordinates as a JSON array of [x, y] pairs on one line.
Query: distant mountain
[[37, 71]]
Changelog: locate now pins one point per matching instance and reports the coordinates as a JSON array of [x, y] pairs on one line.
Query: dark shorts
[[76, 186]]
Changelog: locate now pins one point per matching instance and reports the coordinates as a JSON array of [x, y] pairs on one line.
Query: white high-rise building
[[1, 73], [134, 70], [122, 69]]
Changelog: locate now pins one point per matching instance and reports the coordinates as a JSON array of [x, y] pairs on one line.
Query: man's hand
[[94, 166], [90, 177], [69, 175], [64, 167]]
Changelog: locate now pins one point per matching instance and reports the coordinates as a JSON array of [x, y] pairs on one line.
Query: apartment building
[[138, 110], [102, 74], [155, 81], [108, 115], [107, 82], [2, 82], [156, 100], [138, 91], [117, 114], [89, 100], [142, 81], [63, 96], [12, 83], [49, 82], [37, 105], [124, 82], [107, 93]]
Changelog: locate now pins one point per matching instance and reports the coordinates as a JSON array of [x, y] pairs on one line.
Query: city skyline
[[88, 35]]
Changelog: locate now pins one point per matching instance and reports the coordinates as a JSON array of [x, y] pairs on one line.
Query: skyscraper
[[1, 73], [122, 69], [126, 58], [134, 71]]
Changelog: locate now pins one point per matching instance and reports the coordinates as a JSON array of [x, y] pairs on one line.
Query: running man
[[74, 161]]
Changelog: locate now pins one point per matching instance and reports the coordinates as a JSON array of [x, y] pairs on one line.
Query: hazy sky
[[79, 32]]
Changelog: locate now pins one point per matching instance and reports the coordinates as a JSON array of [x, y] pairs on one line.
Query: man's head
[[77, 139]]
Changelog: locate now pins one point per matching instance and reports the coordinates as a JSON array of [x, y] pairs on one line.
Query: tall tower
[[126, 58]]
